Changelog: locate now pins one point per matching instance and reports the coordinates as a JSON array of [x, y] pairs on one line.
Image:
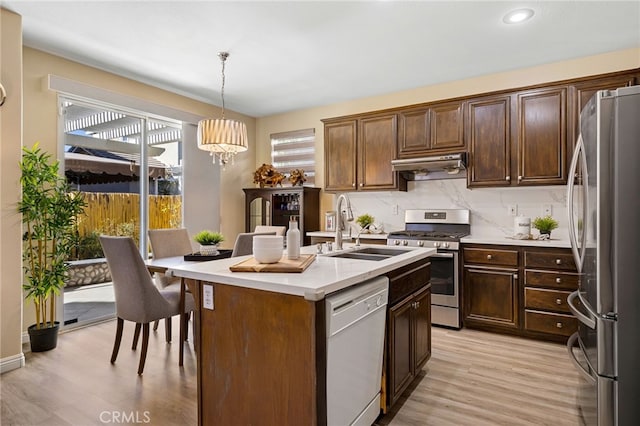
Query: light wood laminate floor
[[473, 378]]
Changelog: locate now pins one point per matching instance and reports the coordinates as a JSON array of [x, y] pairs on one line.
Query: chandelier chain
[[223, 57]]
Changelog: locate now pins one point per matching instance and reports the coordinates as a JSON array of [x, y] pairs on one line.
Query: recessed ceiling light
[[517, 16]]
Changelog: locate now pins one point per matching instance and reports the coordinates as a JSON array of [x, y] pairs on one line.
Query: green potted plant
[[545, 224], [208, 241], [365, 221], [49, 213]]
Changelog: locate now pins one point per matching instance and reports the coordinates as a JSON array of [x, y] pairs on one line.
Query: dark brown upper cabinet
[[358, 154], [488, 134], [542, 136], [431, 130]]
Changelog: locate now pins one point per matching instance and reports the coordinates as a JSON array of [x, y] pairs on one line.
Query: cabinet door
[[340, 156], [377, 138], [446, 127], [400, 354], [542, 136], [489, 139], [491, 297], [414, 130], [583, 91], [422, 328]]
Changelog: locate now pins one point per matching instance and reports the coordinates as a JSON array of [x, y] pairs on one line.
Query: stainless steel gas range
[[443, 230]]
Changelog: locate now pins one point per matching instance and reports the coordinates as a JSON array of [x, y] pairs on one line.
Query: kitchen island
[[261, 352]]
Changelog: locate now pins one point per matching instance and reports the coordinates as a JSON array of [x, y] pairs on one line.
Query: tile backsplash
[[488, 206]]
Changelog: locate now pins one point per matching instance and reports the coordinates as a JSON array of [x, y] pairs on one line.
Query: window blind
[[295, 150]]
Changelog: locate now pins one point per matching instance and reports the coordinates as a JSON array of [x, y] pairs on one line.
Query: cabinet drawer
[[491, 257], [543, 260], [560, 280], [548, 300], [560, 324]]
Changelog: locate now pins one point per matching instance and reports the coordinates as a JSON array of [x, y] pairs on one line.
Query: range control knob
[[420, 243], [396, 242], [445, 245], [436, 244], [405, 243]]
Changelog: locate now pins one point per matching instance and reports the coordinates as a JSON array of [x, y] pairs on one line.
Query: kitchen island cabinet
[[262, 336]]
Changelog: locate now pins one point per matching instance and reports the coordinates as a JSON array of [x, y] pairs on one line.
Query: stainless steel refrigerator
[[604, 227]]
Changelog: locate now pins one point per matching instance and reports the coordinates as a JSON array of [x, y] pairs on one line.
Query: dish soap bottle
[[293, 239]]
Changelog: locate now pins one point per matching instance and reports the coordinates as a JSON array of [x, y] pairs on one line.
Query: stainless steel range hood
[[452, 166]]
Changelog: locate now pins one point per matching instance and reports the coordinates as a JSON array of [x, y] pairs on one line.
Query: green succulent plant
[[544, 224], [208, 238], [365, 220]]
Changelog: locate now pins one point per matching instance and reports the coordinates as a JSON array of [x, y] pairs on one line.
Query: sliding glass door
[[128, 166]]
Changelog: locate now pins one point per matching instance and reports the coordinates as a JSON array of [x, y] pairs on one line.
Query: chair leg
[[145, 345], [136, 335], [167, 329], [116, 343], [183, 333], [155, 325]]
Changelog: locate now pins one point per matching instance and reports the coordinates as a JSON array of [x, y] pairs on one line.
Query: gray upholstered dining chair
[[137, 298], [244, 243], [279, 230], [168, 243]]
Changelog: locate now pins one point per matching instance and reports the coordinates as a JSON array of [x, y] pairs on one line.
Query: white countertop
[[513, 242], [325, 275], [345, 236]]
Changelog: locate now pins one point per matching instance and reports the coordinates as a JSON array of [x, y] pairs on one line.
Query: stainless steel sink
[[381, 251], [368, 253]]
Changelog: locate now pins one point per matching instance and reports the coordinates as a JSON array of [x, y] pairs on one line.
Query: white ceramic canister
[[522, 225]]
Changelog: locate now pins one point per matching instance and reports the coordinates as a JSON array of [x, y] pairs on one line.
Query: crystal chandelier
[[223, 138]]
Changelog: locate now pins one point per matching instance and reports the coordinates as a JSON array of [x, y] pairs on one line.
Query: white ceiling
[[291, 55]]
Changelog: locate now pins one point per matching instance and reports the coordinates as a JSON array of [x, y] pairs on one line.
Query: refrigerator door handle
[[570, 344], [589, 321], [577, 254]]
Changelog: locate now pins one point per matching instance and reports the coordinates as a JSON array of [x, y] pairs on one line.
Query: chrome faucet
[[340, 222]]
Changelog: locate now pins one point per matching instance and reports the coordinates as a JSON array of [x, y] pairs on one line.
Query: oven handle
[[570, 344], [447, 255]]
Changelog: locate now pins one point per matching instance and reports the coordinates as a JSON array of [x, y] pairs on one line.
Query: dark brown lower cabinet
[[519, 290], [409, 341], [491, 297]]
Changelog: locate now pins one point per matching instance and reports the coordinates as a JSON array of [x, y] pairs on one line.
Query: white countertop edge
[[512, 242], [324, 276]]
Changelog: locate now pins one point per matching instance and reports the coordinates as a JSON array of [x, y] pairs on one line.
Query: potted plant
[[208, 241], [365, 221], [49, 213], [545, 225]]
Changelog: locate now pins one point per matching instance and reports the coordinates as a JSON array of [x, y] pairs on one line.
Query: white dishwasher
[[355, 341]]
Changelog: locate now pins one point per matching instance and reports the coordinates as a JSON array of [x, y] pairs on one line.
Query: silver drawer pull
[[558, 261], [559, 301], [417, 305], [558, 280], [508, 178], [559, 325], [489, 257]]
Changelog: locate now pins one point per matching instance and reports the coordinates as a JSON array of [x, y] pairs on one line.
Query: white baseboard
[[11, 363], [25, 337]]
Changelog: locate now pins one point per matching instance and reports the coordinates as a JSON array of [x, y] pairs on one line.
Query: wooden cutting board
[[284, 265]]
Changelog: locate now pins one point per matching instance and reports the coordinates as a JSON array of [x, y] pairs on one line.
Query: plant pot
[[45, 338], [209, 250]]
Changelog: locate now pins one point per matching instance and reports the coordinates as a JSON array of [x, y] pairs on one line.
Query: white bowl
[[268, 254], [268, 248], [268, 241]]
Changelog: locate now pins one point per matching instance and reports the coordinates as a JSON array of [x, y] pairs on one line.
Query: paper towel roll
[[522, 225]]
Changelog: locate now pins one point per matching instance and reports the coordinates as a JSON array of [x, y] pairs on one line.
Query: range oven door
[[444, 279]]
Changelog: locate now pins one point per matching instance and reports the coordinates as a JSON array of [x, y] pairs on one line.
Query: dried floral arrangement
[[267, 175], [297, 177]]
